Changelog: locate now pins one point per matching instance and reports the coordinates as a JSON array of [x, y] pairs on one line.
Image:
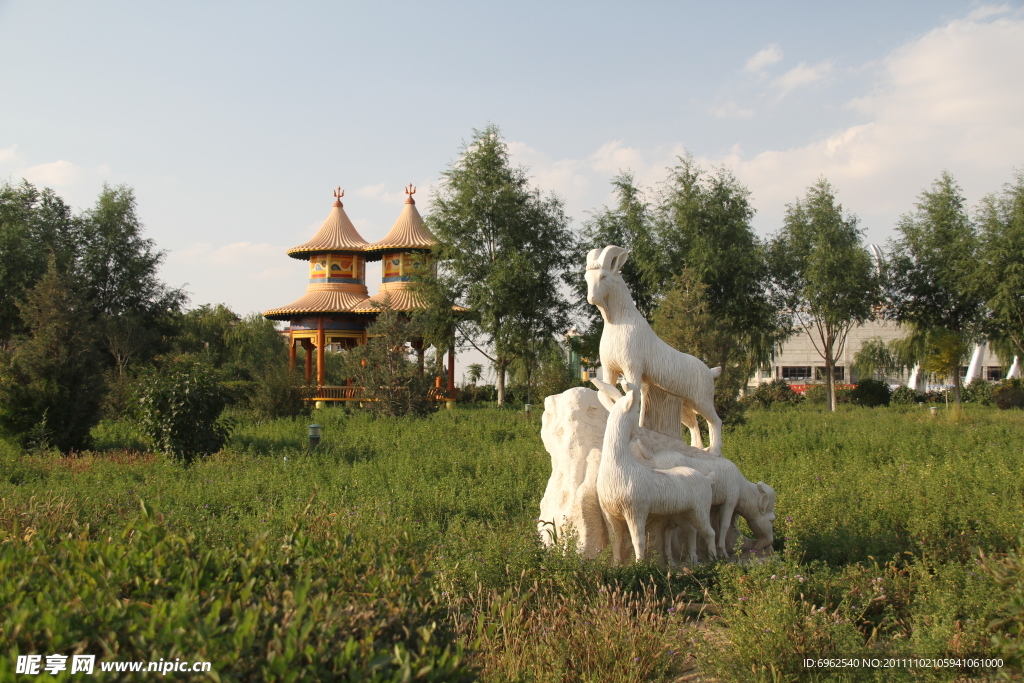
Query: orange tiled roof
[[408, 232], [336, 234]]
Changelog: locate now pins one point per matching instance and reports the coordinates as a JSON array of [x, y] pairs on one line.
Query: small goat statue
[[629, 346], [630, 492], [733, 493]]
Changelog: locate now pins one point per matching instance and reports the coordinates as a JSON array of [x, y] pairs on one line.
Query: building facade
[[798, 362]]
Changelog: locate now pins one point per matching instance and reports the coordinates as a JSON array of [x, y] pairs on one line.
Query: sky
[[234, 121]]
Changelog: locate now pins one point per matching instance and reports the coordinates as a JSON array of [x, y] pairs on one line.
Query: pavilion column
[[320, 351], [419, 356], [307, 346], [291, 348]]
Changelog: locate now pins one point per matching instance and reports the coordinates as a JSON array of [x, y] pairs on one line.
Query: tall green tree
[[933, 283], [36, 226], [1001, 266], [711, 251], [118, 269], [51, 383], [506, 250], [118, 266], [630, 225], [822, 273]]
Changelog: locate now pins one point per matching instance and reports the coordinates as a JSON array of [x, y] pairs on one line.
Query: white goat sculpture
[[629, 346], [733, 493], [629, 492]]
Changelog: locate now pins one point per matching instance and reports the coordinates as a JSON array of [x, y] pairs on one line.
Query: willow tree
[[933, 271], [823, 275], [1001, 220], [505, 252], [715, 302]]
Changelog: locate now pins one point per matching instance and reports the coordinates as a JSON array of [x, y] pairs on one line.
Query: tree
[[822, 274], [505, 249], [206, 331], [629, 225], [259, 355], [933, 286], [720, 272], [35, 228], [1001, 264], [685, 321], [118, 266], [118, 270], [52, 381]]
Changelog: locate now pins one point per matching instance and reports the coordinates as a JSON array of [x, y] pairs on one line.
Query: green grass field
[[405, 549]]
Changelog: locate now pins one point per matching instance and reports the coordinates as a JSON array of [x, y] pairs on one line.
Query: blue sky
[[233, 121]]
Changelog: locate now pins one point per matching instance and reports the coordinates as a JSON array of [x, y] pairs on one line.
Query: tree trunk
[[956, 384], [500, 368], [831, 372]]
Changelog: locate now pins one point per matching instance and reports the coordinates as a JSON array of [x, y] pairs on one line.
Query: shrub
[[1008, 637], [777, 391], [329, 603], [279, 393], [553, 376], [816, 394], [179, 409], [870, 393], [773, 625], [978, 391], [472, 393], [904, 395], [392, 384], [1009, 394]]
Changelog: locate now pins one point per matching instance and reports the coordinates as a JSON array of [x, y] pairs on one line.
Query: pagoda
[[337, 308]]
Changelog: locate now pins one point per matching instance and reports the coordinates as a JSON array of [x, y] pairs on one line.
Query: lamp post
[[314, 435]]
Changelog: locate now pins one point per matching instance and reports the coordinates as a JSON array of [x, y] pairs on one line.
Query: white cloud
[[802, 75], [730, 110], [614, 157], [58, 173], [377, 192], [253, 277], [77, 183], [946, 100], [565, 177], [985, 11], [389, 194], [763, 59]]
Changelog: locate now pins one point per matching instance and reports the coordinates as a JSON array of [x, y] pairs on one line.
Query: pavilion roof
[[319, 301], [336, 234], [408, 232]]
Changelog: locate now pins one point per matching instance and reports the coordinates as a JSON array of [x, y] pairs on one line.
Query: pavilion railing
[[351, 393]]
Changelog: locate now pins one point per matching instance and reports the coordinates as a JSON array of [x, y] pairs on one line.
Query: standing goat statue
[[674, 385], [630, 493]]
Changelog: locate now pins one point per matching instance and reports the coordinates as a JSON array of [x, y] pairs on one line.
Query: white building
[[798, 363]]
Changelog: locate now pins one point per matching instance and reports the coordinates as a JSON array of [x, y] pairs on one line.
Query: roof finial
[[410, 190], [338, 194]]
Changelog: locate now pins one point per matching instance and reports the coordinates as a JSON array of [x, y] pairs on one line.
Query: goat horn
[[612, 257]]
